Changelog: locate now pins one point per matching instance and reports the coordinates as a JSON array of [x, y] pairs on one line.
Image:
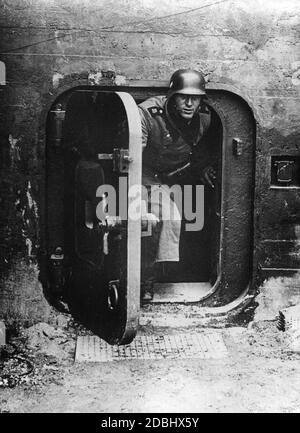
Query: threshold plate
[[204, 345], [180, 292]]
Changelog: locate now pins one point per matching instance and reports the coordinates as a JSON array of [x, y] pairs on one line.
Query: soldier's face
[[187, 105]]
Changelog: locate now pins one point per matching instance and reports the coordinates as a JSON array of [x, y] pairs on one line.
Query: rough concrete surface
[[276, 294], [259, 374], [248, 48]]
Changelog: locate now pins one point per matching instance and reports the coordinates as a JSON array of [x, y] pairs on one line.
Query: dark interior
[[94, 123]]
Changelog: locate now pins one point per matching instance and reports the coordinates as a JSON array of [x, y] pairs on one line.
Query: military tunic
[[166, 147], [168, 144]]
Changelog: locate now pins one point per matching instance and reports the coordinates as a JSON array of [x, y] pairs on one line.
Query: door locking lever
[[120, 159], [111, 225]]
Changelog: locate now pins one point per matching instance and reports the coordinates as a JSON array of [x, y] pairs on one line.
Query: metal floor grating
[[208, 345]]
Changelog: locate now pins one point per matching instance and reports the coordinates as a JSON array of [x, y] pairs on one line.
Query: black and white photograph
[[149, 209]]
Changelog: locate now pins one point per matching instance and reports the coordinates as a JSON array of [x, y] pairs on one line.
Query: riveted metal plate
[[204, 345]]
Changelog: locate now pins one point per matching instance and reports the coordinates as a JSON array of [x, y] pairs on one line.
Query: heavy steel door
[[102, 152]]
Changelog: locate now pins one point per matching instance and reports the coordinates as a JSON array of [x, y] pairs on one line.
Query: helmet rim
[[187, 81], [188, 91]]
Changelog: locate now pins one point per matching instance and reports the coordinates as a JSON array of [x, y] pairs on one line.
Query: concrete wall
[[252, 48]]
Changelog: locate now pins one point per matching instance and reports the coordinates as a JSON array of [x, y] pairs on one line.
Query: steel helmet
[[187, 81]]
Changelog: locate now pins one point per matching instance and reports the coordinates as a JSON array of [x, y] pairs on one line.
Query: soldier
[[172, 129]]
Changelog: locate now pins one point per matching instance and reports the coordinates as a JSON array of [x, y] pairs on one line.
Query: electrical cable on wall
[[107, 28]]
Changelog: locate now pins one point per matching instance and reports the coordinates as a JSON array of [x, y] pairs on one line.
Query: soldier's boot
[[147, 291], [149, 266]]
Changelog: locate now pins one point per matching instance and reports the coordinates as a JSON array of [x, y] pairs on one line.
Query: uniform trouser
[[163, 246]]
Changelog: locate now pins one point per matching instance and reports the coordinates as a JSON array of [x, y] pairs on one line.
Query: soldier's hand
[[209, 175]]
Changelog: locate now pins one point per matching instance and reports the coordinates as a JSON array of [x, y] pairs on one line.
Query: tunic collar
[[189, 131]]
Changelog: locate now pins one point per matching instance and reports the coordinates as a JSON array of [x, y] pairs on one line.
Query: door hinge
[[57, 117], [237, 146], [57, 276]]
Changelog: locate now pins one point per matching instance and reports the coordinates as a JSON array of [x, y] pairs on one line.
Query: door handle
[[120, 159]]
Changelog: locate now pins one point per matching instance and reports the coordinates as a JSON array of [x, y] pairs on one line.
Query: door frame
[[149, 88]]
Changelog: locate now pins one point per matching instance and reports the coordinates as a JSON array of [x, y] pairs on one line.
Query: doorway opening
[[193, 277], [215, 265], [89, 262]]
